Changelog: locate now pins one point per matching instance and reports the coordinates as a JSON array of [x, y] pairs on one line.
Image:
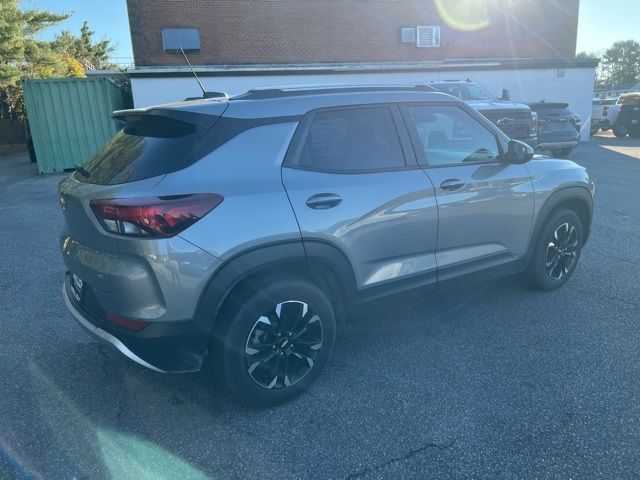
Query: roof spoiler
[[201, 121]]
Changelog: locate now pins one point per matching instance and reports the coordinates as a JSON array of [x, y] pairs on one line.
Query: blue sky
[[601, 22]]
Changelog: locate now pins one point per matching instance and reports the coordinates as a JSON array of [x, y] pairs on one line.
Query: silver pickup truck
[[604, 113]]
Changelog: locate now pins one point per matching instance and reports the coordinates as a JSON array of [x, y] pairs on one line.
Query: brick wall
[[320, 31]]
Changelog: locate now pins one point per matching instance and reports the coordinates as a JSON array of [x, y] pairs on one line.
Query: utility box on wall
[[70, 119]]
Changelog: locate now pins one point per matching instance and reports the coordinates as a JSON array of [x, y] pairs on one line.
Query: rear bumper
[[103, 335], [556, 145], [161, 346]]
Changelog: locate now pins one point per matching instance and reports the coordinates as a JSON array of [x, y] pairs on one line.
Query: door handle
[[452, 184], [322, 201]]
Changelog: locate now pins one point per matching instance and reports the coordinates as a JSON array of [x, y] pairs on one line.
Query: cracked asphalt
[[496, 381]]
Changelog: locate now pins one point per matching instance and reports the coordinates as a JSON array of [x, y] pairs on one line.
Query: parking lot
[[496, 381]]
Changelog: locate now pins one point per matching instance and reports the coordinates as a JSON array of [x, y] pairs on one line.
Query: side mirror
[[519, 152], [506, 96]]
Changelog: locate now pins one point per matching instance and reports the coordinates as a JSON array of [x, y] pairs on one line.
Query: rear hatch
[[153, 143], [513, 121], [629, 110], [557, 120]]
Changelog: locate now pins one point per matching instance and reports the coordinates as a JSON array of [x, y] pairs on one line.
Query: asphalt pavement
[[495, 381]]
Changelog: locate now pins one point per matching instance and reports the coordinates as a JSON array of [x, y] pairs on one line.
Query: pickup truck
[[628, 116], [515, 119], [604, 113]]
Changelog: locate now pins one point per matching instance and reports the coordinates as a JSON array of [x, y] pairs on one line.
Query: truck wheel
[[562, 153], [272, 344], [621, 130], [556, 252]]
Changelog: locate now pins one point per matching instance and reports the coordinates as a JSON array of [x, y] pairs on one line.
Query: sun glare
[[464, 15]]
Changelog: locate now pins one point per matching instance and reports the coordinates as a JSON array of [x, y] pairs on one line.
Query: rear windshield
[[629, 100], [145, 148]]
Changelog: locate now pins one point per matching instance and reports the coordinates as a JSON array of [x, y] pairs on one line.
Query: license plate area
[[77, 287]]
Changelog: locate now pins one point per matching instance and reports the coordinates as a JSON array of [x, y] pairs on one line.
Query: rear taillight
[[135, 325], [605, 110], [534, 123], [153, 216]]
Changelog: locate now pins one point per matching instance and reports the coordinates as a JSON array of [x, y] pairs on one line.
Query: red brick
[[327, 31]]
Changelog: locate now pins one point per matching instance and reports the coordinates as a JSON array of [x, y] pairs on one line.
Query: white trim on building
[[573, 84]]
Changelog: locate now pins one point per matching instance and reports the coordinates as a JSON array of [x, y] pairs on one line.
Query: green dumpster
[[70, 119]]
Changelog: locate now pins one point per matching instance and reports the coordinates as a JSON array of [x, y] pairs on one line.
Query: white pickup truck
[[604, 114]]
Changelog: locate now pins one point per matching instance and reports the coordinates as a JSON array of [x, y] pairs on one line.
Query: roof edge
[[389, 67]]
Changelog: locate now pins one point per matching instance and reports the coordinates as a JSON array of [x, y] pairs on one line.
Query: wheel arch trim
[[291, 256], [564, 196]]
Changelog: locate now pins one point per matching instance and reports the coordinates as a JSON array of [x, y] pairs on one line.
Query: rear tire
[[272, 342], [556, 252], [562, 153], [621, 130]]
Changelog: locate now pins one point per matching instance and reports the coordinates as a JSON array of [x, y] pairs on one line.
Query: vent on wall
[[428, 37], [408, 35], [186, 38]]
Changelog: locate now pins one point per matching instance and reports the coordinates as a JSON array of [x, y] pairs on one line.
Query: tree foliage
[[23, 55], [20, 52], [93, 55], [621, 62]]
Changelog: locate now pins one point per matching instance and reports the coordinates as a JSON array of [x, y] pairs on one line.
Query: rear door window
[[143, 149], [351, 140]]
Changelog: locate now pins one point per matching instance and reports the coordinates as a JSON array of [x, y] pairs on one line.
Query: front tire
[[562, 153], [621, 130], [273, 342], [556, 252]]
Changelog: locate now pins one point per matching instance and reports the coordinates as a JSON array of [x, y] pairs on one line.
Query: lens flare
[[467, 15]]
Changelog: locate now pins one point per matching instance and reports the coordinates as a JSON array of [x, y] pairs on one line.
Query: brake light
[[135, 325], [153, 216], [605, 110]]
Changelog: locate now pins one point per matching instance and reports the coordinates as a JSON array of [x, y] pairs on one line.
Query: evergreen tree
[[93, 55]]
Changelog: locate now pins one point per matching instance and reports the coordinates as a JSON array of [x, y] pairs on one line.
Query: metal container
[[70, 119]]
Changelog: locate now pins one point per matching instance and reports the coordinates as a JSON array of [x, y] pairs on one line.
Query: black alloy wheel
[[273, 339], [562, 250], [556, 251], [283, 345]]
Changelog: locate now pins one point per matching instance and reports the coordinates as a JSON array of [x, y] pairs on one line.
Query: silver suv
[[240, 232]]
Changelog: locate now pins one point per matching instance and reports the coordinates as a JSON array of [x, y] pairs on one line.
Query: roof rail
[[267, 93]]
